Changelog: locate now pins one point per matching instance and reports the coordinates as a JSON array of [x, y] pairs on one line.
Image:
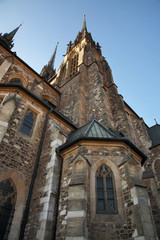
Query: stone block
[[77, 192], [76, 214], [77, 204], [75, 227]]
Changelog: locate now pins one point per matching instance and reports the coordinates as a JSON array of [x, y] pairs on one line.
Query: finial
[[93, 110], [84, 23], [155, 120]]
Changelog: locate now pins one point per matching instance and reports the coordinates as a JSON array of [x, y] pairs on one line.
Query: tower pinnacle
[[52, 59], [84, 27], [48, 70], [7, 38]]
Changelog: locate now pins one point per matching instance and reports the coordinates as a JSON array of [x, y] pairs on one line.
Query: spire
[[84, 27], [52, 59], [48, 71], [7, 38], [11, 35]]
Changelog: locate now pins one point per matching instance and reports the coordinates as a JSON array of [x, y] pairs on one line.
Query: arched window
[[7, 204], [28, 123], [74, 65], [105, 190], [16, 80]]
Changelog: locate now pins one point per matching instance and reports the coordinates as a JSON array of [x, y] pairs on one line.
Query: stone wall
[[42, 212], [78, 219], [18, 155]]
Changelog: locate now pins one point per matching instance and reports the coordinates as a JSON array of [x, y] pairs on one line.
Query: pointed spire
[[11, 35], [7, 38], [52, 59], [84, 27]]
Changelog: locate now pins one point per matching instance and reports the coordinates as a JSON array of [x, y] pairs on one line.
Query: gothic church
[[76, 161]]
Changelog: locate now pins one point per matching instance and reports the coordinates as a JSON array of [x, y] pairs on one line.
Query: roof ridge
[[106, 129], [89, 127]]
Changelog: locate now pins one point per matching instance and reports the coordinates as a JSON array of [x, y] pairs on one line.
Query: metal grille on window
[[7, 204], [28, 123], [16, 80], [74, 65], [105, 190]]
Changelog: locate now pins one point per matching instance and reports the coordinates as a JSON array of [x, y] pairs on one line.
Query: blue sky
[[127, 30]]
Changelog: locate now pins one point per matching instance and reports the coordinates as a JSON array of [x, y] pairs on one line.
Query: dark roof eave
[[13, 85], [123, 139], [153, 146]]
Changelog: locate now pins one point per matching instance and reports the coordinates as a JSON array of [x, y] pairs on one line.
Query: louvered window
[[105, 190], [74, 65]]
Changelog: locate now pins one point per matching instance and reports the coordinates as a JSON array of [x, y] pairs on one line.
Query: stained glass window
[[28, 123], [7, 205], [105, 190]]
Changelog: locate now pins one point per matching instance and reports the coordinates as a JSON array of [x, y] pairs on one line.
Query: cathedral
[[76, 161]]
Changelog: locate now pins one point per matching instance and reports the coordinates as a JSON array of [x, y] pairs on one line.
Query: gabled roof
[[95, 131], [154, 134]]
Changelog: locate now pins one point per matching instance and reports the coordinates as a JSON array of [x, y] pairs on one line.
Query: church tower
[[82, 79], [76, 162], [86, 83]]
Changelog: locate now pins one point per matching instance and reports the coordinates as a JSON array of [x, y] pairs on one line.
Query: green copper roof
[[93, 129]]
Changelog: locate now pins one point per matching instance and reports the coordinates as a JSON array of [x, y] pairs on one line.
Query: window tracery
[[105, 190]]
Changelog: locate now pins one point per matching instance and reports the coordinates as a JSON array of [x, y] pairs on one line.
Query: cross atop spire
[[52, 59], [7, 38], [84, 27]]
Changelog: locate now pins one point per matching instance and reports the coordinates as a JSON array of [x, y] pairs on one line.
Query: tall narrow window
[[74, 65], [28, 122], [7, 204], [105, 190]]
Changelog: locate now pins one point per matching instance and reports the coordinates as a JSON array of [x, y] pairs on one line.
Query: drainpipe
[[25, 216], [58, 196]]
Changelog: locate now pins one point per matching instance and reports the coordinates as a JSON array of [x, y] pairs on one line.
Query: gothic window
[[28, 122], [74, 65], [7, 204], [16, 80], [105, 190]]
